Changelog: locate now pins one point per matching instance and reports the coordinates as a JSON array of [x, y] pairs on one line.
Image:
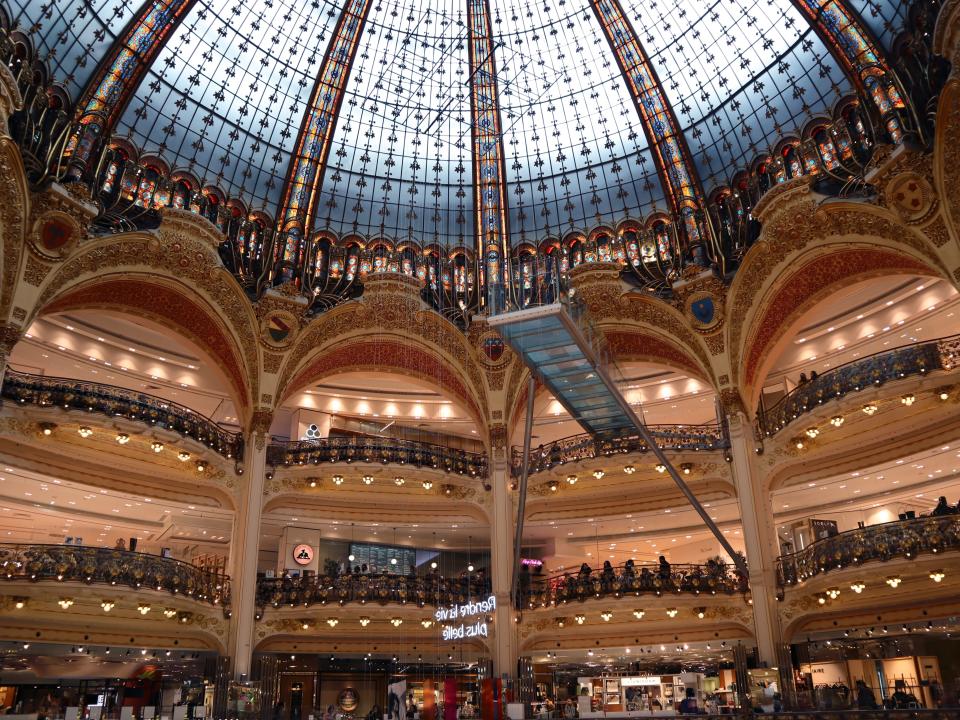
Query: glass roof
[[225, 99]]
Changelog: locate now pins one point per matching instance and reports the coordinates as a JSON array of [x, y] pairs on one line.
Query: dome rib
[[116, 78], [489, 171], [864, 62], [671, 155], [301, 193]]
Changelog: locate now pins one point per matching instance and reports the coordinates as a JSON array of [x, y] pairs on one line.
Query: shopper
[[688, 706], [942, 508], [901, 699], [866, 700]]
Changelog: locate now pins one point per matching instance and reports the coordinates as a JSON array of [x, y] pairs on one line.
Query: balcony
[[902, 539], [377, 450], [586, 446], [111, 402], [361, 589], [104, 566], [711, 578], [871, 371]]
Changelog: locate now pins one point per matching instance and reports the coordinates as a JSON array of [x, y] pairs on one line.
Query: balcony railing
[[431, 590], [711, 578], [117, 568], [112, 401], [586, 447], [871, 371], [904, 539], [377, 450]]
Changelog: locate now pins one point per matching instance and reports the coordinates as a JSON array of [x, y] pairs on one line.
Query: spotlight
[[894, 580], [572, 479], [427, 484], [937, 575], [553, 485], [84, 431], [201, 466], [367, 479], [638, 614], [869, 409], [312, 483], [598, 474], [47, 428], [672, 612], [396, 622], [156, 446], [143, 608], [701, 612], [606, 615], [398, 481], [364, 621], [579, 619], [183, 456], [123, 438], [65, 603], [433, 565], [629, 470], [944, 395], [426, 622], [332, 622], [685, 468], [169, 613], [836, 420], [19, 603], [660, 468], [799, 444], [337, 480], [858, 586], [833, 593], [108, 605], [470, 568], [811, 432], [908, 399]]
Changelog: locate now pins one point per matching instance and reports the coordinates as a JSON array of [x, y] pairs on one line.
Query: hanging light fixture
[[869, 409], [908, 399], [398, 480], [572, 479], [858, 586], [606, 615], [65, 603], [553, 485], [894, 580], [427, 484], [156, 446], [672, 612], [364, 621], [660, 468], [183, 456], [337, 480], [84, 431], [123, 438], [638, 614], [367, 479], [396, 622], [143, 608], [426, 622], [937, 575], [836, 420], [833, 593], [629, 469], [598, 474], [811, 432], [332, 622], [579, 618], [107, 605]]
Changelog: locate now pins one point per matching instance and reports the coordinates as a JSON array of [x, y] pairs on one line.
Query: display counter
[[614, 697]]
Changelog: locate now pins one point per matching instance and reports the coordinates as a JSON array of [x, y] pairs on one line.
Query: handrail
[[107, 566], [377, 450], [887, 365], [381, 588], [884, 542], [113, 401], [710, 436], [708, 578]]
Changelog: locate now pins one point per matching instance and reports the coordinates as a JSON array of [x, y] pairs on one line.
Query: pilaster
[[504, 642], [244, 549], [759, 536]]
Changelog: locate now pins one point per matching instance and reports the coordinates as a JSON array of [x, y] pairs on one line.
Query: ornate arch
[[793, 223], [177, 282], [818, 276], [14, 210]]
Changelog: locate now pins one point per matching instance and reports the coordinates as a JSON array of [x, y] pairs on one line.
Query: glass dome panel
[[71, 37]]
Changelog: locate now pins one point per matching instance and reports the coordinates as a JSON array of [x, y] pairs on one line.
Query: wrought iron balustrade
[[111, 401], [432, 590], [349, 449], [857, 375], [707, 437], [117, 568], [905, 539], [711, 578]]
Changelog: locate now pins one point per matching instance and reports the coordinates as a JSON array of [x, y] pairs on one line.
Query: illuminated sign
[[303, 554], [531, 562], [639, 681], [464, 613]]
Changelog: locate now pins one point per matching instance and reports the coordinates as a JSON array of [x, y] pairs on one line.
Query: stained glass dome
[[228, 87]]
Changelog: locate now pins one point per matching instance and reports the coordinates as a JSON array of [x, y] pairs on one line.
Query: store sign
[[639, 681], [468, 627], [303, 554], [531, 562]]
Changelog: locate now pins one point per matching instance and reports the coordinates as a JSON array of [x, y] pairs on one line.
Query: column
[[244, 549], [502, 528], [759, 537], [9, 336]]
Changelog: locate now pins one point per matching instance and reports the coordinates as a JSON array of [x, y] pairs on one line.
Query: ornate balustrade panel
[[712, 578], [431, 590], [377, 450], [904, 539], [119, 568], [111, 401], [870, 371], [586, 446]]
